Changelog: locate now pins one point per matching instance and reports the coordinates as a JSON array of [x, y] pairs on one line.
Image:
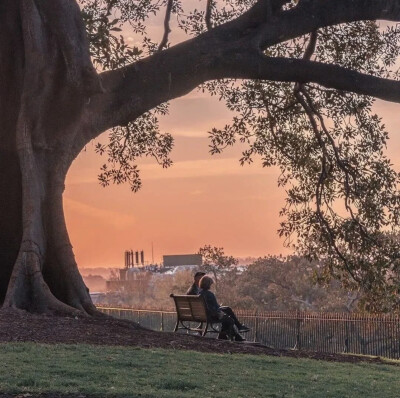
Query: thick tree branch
[[256, 66], [311, 15], [262, 12], [231, 51], [138, 88]]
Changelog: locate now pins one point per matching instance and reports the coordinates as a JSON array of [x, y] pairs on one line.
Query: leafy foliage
[[105, 20], [285, 284], [216, 261], [127, 143], [215, 257], [343, 203]]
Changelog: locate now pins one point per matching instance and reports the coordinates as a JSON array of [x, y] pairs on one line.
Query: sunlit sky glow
[[199, 200]]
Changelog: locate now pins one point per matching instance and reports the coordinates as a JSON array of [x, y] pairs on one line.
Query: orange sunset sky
[[199, 200]]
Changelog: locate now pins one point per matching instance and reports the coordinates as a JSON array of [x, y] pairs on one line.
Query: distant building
[[135, 273], [182, 260]]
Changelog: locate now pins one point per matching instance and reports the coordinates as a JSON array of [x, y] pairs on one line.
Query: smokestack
[[137, 257]]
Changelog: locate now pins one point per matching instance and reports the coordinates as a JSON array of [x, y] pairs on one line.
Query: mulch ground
[[19, 326]]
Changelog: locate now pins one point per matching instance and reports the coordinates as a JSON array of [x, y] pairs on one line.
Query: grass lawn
[[131, 372]]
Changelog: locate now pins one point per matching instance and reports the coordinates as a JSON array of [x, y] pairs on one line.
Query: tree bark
[[45, 84]]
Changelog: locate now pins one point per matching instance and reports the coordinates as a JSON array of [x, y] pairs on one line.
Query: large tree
[[311, 70]]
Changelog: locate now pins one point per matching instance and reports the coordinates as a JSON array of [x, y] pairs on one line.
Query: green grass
[[132, 372]]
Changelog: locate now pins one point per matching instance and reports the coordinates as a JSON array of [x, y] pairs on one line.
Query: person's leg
[[228, 311], [227, 330]]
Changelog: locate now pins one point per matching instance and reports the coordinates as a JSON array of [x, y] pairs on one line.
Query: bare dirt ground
[[18, 326]]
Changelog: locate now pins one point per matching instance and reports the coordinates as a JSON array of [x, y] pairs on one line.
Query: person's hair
[[206, 282]]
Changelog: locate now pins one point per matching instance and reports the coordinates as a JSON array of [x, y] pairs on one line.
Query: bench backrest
[[190, 308]]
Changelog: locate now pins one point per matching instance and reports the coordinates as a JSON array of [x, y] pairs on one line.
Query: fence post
[[346, 340], [256, 326], [298, 324]]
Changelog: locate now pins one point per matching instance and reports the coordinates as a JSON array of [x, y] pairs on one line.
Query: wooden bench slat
[[198, 310]]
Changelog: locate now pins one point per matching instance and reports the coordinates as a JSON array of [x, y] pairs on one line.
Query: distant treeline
[[268, 284]]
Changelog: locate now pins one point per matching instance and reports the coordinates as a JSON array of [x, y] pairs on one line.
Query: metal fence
[[323, 332]]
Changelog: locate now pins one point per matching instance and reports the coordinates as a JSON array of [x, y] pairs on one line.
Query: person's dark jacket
[[213, 308], [194, 290]]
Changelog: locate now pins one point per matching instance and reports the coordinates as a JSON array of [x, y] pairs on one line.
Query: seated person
[[223, 314], [194, 290]]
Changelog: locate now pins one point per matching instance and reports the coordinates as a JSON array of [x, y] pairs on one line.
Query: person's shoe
[[238, 337], [243, 329]]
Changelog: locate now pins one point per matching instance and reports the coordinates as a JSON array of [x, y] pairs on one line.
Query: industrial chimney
[[142, 257]]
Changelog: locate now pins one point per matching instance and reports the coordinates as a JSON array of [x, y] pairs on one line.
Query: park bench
[[193, 309]]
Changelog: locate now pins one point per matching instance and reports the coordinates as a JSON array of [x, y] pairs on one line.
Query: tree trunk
[[46, 78]]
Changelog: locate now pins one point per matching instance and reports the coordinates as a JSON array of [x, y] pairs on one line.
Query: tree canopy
[[300, 77]]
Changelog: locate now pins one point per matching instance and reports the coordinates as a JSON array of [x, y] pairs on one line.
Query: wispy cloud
[[204, 168], [114, 219], [185, 169]]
